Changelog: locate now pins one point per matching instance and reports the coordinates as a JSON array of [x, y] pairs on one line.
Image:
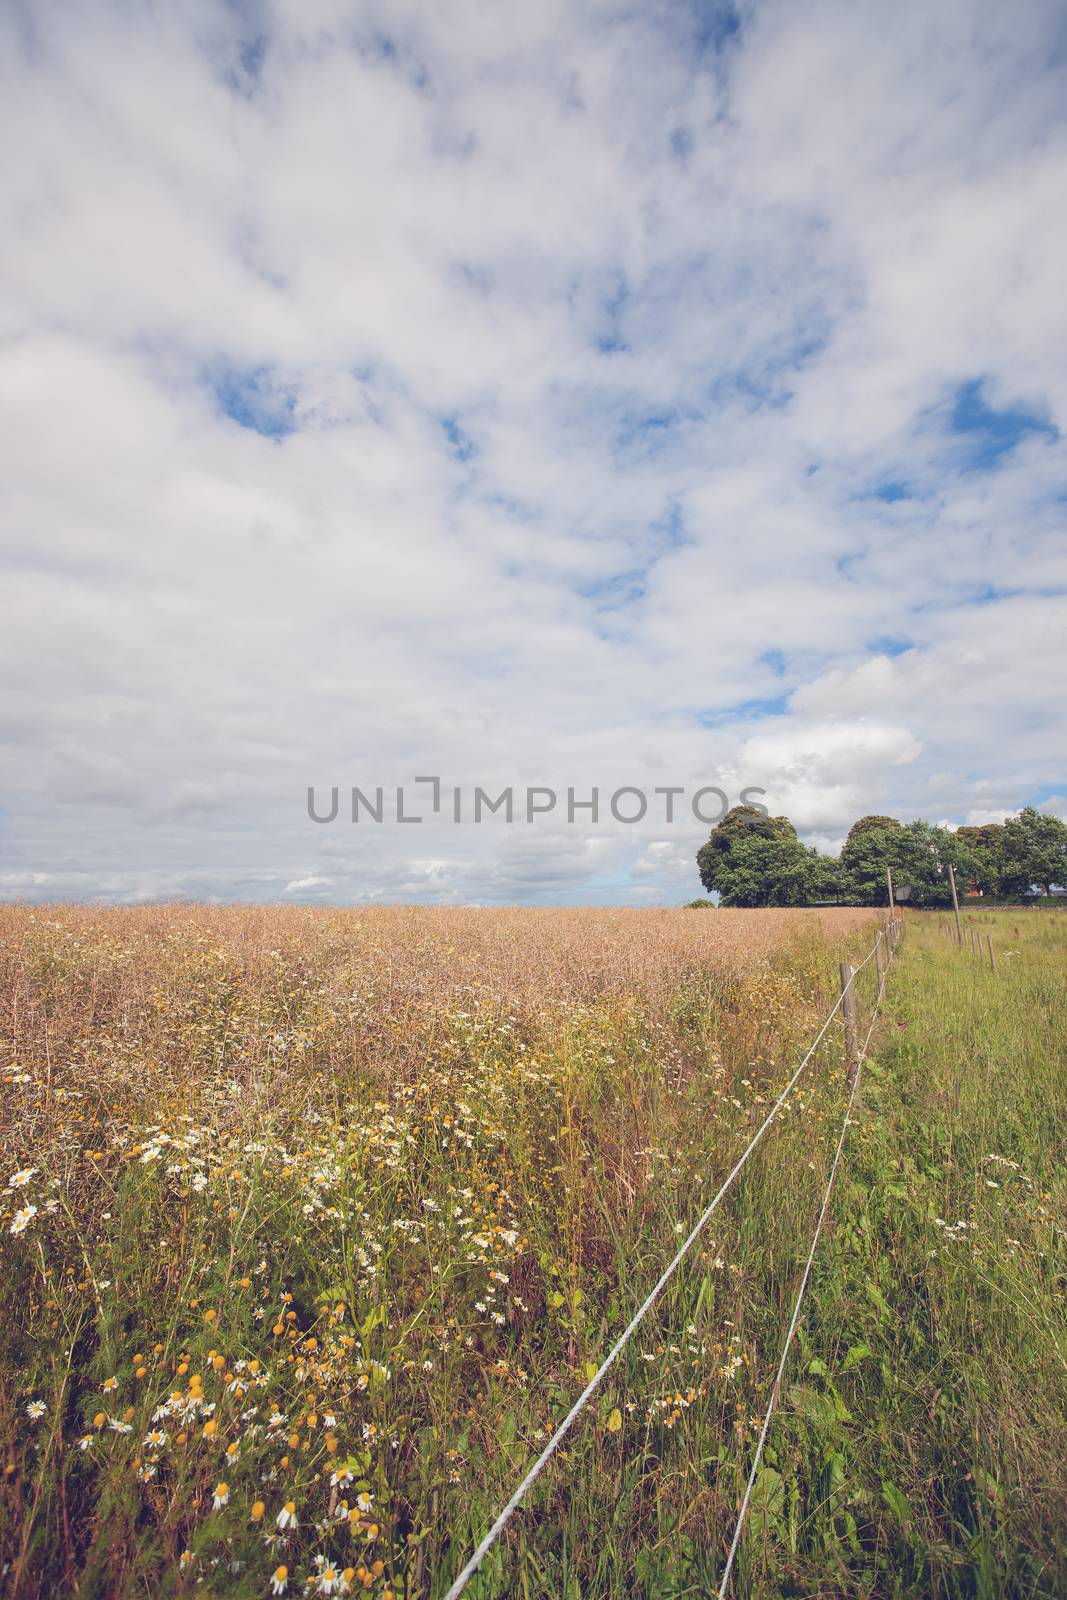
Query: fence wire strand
[[776, 1386]]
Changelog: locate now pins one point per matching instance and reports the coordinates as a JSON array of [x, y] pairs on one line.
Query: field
[[317, 1221]]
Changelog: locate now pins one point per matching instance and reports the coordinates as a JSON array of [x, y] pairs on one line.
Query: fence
[[882, 953]]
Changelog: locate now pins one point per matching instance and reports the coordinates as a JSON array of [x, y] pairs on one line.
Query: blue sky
[[573, 394]]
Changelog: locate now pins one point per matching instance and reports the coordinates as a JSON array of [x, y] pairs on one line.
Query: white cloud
[[586, 344]]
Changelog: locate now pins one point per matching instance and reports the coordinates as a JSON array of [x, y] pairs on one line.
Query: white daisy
[[22, 1219]]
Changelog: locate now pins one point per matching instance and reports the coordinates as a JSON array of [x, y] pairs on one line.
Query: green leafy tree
[[761, 871], [929, 852], [919, 856], [873, 824], [1035, 852], [739, 824], [986, 844], [865, 858]]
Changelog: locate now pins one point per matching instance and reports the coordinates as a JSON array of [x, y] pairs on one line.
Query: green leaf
[[375, 1318], [897, 1503], [857, 1353], [768, 1500], [877, 1298], [816, 1408], [841, 1410]]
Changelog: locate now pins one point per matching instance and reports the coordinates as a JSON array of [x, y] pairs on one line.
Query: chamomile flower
[[221, 1496], [287, 1517], [36, 1410], [22, 1219], [279, 1580]]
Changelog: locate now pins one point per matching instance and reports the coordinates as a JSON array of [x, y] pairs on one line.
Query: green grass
[[409, 1220], [957, 1415]]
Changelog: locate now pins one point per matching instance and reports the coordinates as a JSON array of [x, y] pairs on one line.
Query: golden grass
[[391, 1175]]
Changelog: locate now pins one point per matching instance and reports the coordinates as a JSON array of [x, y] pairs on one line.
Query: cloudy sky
[[561, 394]]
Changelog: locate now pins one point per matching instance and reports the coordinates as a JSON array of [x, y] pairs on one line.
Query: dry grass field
[[315, 1222]]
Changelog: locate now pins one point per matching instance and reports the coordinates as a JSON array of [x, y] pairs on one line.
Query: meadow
[[315, 1223]]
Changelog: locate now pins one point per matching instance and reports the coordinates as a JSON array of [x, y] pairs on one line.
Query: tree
[[1035, 852], [928, 854], [986, 844], [919, 856], [868, 852], [762, 871], [871, 825], [740, 823]]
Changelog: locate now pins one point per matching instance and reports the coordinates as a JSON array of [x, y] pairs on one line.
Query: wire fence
[[776, 1387], [881, 953]]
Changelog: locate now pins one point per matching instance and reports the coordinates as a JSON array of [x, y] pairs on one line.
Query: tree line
[[752, 859]]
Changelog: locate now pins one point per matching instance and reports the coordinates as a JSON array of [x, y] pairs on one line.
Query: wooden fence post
[[892, 902], [879, 960], [955, 903], [848, 1011], [992, 957]]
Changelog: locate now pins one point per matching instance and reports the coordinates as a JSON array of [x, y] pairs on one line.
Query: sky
[[572, 395]]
